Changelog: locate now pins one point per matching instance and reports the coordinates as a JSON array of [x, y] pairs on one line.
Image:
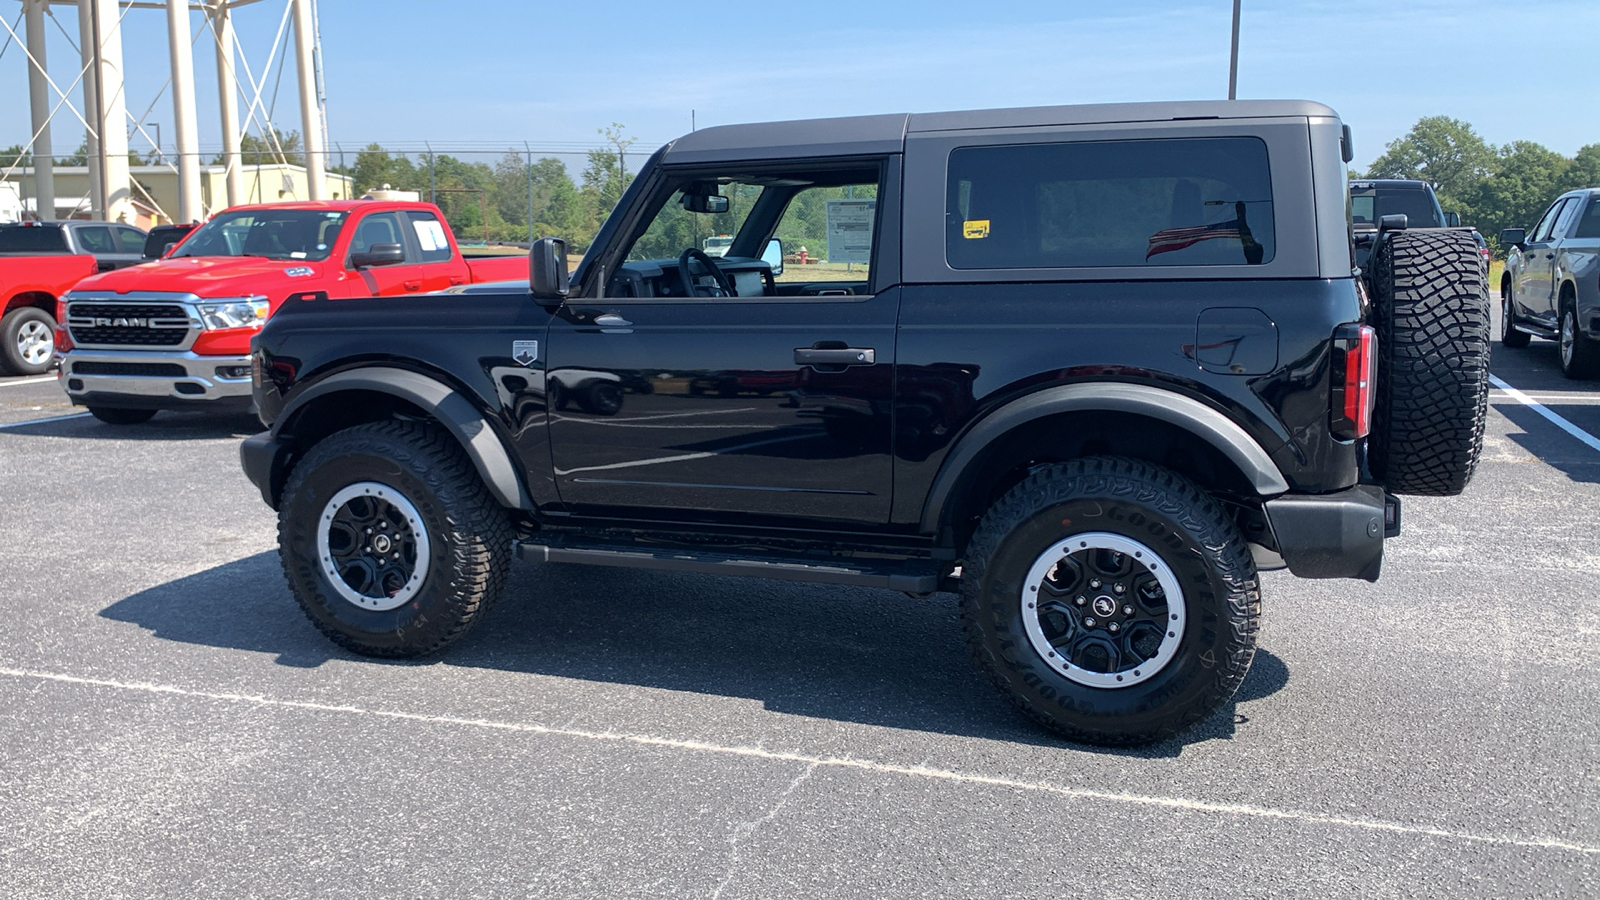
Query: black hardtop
[[866, 135]]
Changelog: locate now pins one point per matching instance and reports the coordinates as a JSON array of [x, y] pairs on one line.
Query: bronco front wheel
[[389, 541], [1112, 601]]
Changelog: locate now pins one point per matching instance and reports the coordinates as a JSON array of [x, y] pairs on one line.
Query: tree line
[[1492, 188]]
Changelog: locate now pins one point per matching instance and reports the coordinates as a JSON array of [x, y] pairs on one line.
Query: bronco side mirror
[[547, 269]]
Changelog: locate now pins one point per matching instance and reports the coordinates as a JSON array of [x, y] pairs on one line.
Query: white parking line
[[43, 421], [41, 379], [1183, 804], [1536, 406]]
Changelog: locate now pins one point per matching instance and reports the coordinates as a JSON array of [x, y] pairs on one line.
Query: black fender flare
[[1191, 415], [489, 456]]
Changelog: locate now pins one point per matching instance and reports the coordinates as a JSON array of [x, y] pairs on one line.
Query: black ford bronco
[[1089, 367]]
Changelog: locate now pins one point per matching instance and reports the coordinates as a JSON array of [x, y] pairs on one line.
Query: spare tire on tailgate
[[1432, 316]]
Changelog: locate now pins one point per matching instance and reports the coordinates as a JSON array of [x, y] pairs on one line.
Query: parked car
[[175, 333], [1131, 357], [112, 244], [30, 286], [163, 238], [1373, 198], [1551, 285]]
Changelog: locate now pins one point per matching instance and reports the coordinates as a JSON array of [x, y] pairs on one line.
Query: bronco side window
[[1188, 202]]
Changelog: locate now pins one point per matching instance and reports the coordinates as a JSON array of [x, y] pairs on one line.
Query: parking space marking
[[43, 421], [1181, 804], [1536, 406], [38, 380]]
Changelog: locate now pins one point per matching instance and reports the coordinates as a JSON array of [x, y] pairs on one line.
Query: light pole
[[1233, 57], [160, 157]]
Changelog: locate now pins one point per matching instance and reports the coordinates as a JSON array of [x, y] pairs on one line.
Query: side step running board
[[675, 560]]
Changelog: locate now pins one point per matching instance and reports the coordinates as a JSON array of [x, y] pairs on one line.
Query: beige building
[[155, 190]]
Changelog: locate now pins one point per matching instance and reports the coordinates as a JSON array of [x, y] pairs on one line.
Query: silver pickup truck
[[1551, 286]]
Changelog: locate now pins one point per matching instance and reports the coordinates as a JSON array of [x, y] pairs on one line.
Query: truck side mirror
[[378, 255], [773, 256], [547, 269], [1452, 220], [1514, 237]]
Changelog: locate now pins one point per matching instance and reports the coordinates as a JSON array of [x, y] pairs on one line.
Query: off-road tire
[[1579, 354], [31, 324], [117, 415], [1432, 317], [1510, 337], [468, 533], [1191, 535]]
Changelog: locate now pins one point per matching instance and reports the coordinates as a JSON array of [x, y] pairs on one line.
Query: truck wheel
[[1112, 601], [1510, 337], [116, 415], [1579, 357], [29, 335], [1433, 362], [389, 540]]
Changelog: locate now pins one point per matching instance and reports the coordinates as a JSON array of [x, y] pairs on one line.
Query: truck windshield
[[32, 239], [272, 233]]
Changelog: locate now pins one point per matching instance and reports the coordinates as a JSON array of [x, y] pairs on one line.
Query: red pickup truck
[[175, 333], [29, 289]]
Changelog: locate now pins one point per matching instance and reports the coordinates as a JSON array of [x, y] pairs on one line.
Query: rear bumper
[[141, 379], [1338, 535]]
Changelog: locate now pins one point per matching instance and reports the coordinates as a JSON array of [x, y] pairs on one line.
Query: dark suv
[[1090, 367]]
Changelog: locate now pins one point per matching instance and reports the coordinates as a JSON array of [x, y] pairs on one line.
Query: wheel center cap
[[1104, 606], [382, 544]]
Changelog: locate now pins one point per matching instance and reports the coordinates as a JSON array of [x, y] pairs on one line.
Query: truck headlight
[[235, 314]]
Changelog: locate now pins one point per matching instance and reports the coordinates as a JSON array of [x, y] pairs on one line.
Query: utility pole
[[1233, 57]]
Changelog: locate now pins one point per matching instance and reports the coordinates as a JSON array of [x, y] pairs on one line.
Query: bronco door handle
[[835, 356], [611, 320]]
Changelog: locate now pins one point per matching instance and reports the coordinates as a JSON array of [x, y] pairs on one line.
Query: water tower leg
[[310, 112], [183, 111], [227, 94], [44, 204]]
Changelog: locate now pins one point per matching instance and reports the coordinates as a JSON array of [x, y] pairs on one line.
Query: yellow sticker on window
[[972, 229]]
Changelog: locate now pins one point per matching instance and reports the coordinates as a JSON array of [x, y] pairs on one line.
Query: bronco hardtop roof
[[864, 135]]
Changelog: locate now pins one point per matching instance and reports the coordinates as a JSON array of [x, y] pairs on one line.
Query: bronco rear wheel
[[1112, 601], [389, 540], [1433, 362]]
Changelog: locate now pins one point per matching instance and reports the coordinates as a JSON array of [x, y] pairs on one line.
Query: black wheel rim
[[1103, 610], [372, 546]]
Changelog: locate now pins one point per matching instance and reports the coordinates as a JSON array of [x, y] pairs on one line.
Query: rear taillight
[[1355, 362]]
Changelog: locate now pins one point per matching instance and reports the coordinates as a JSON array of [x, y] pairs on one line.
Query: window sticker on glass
[[430, 234], [972, 229], [849, 224]]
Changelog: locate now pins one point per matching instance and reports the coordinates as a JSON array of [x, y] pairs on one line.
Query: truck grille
[[168, 370], [128, 324]]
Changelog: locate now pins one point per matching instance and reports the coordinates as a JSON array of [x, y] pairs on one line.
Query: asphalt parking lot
[[171, 725]]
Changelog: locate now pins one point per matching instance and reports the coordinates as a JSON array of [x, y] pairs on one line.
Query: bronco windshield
[[271, 233]]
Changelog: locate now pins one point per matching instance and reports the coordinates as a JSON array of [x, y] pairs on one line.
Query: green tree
[[14, 155], [1584, 171], [255, 150], [1441, 150], [1525, 178]]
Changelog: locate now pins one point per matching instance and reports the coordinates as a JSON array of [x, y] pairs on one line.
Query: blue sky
[[490, 74]]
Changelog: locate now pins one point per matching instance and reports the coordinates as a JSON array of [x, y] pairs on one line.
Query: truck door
[[383, 281], [1536, 281], [439, 266], [676, 398]]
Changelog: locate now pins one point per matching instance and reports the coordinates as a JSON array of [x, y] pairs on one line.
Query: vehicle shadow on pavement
[[846, 654], [166, 426], [1552, 446]]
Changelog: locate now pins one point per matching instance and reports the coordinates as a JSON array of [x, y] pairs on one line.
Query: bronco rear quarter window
[[1184, 202]]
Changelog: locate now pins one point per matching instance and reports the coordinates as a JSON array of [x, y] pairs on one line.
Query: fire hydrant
[[802, 255]]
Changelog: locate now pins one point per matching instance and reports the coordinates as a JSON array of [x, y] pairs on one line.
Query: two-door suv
[[1090, 367]]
